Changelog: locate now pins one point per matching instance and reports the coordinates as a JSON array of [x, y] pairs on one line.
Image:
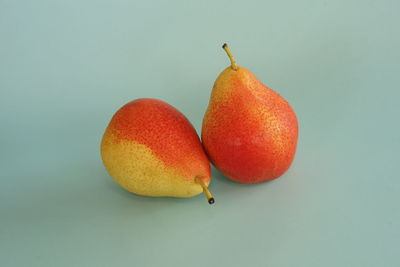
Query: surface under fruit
[[249, 131], [151, 149]]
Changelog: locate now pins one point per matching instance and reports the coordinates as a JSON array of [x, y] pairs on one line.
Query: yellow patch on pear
[[135, 168]]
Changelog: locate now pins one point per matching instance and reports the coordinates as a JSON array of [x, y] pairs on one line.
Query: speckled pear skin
[[249, 131], [151, 149]]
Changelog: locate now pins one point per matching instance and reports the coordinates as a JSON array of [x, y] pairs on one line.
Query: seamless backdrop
[[67, 66]]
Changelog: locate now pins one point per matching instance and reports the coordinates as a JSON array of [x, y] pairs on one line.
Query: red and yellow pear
[[249, 131], [151, 149]]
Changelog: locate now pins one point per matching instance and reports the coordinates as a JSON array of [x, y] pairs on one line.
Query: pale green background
[[67, 66]]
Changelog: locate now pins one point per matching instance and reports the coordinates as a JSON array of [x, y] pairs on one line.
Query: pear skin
[[149, 148], [249, 131]]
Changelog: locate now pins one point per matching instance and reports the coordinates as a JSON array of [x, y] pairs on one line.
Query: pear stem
[[231, 58], [209, 196]]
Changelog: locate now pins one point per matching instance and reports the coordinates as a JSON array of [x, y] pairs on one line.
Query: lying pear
[[151, 149], [249, 131]]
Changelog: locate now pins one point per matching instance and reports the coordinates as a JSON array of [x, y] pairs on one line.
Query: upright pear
[[249, 131], [151, 149]]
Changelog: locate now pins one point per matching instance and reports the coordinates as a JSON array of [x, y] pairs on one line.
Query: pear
[[151, 149], [249, 131]]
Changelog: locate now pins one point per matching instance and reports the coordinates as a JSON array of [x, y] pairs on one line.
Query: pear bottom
[[135, 168]]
